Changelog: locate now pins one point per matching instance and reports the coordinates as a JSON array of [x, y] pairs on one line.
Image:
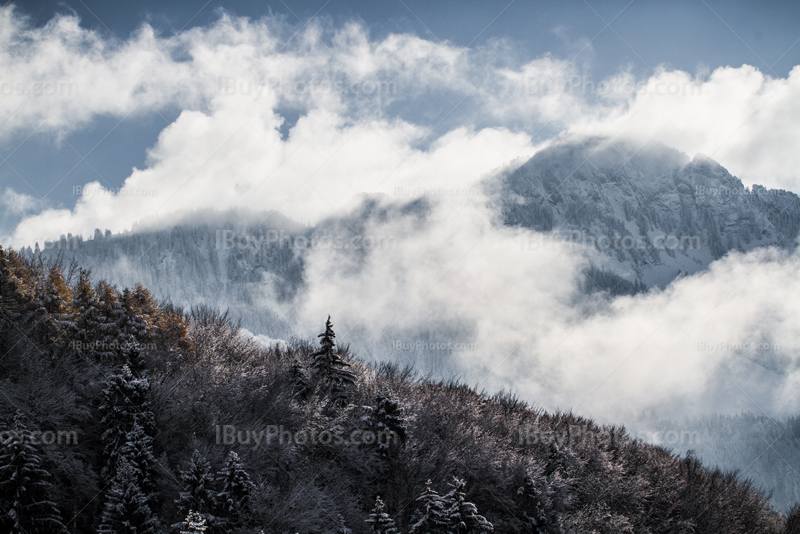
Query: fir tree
[[84, 306], [385, 421], [542, 498], [138, 452], [380, 521], [329, 367], [107, 325], [16, 285], [341, 527], [234, 498], [50, 316], [124, 406], [301, 385], [193, 523], [462, 516], [126, 510], [433, 519], [24, 486], [197, 482]]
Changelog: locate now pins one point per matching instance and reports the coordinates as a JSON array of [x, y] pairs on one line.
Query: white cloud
[[516, 320]]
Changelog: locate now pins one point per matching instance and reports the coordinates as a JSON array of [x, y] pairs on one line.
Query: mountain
[[650, 212]]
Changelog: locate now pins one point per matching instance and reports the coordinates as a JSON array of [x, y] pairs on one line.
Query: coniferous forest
[[123, 414]]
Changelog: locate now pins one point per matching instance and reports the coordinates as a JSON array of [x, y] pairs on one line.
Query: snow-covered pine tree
[[534, 509], [16, 286], [51, 315], [193, 523], [233, 500], [84, 307], [301, 385], [385, 421], [133, 356], [126, 510], [542, 498], [139, 308], [432, 518], [329, 367], [109, 338], [124, 406], [197, 481], [341, 526], [24, 487], [138, 452], [462, 515], [380, 521]]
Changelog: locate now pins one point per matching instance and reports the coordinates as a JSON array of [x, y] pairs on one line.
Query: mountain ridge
[[651, 211]]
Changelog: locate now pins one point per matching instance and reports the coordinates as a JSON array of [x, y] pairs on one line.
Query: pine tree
[[84, 306], [140, 311], [462, 516], [17, 286], [138, 452], [126, 510], [341, 527], [50, 316], [433, 519], [329, 367], [124, 406], [110, 315], [534, 511], [385, 421], [197, 482], [380, 521], [24, 487], [234, 498], [194, 523], [301, 385]]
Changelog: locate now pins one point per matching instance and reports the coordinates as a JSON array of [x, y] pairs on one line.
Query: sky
[[74, 115]]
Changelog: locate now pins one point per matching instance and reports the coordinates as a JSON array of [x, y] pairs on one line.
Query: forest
[[120, 413]]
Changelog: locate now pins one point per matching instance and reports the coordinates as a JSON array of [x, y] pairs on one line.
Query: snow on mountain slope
[[651, 213], [239, 261]]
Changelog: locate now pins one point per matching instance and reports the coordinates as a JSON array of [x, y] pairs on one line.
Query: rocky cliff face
[[650, 213]]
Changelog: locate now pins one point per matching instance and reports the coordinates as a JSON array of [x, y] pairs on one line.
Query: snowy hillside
[[650, 212]]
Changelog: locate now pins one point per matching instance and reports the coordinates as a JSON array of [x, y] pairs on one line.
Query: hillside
[[157, 399]]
